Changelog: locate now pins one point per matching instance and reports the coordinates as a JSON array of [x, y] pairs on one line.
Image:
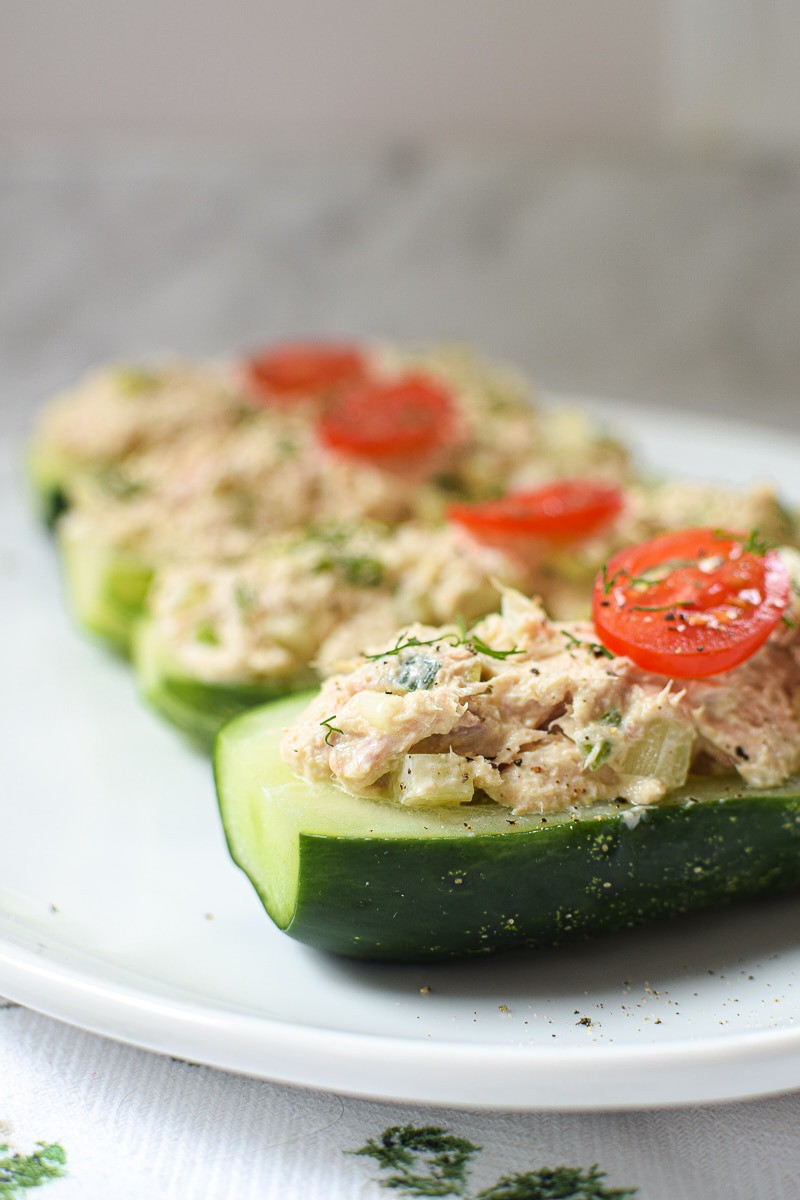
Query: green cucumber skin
[[399, 900], [48, 488], [50, 473], [199, 709], [372, 881], [51, 503]]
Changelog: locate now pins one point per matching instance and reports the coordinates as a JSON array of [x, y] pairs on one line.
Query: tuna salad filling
[[123, 410], [318, 597], [217, 494], [162, 439], [538, 716]]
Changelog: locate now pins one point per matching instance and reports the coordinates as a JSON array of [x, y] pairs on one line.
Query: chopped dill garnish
[[471, 640], [326, 724], [649, 577], [596, 754], [117, 483], [331, 535], [22, 1172], [482, 647], [634, 580], [664, 607], [479, 646], [412, 642], [358, 570], [362, 570], [612, 717], [596, 648], [756, 544], [428, 1160], [246, 597], [206, 634]]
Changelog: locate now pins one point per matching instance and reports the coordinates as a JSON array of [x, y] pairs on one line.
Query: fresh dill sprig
[[326, 724], [476, 643], [410, 643], [648, 578], [424, 1161], [596, 648], [472, 640], [556, 1183], [643, 580], [754, 543], [358, 570], [482, 647], [21, 1172], [362, 570], [430, 1161]]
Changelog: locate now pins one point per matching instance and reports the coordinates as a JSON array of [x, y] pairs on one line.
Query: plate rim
[[726, 1070]]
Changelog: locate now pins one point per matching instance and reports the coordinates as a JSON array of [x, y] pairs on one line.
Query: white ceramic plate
[[120, 911]]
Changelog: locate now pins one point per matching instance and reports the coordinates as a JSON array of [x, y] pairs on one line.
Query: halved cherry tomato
[[298, 369], [389, 420], [564, 510], [691, 603]]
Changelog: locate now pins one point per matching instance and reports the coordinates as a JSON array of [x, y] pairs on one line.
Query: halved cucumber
[[198, 706], [50, 472], [375, 881], [106, 587]]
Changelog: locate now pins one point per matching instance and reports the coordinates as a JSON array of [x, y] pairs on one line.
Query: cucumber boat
[[106, 586], [223, 637], [50, 473], [199, 707], [371, 880], [522, 783]]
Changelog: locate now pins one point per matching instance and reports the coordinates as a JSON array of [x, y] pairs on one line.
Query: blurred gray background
[[607, 194]]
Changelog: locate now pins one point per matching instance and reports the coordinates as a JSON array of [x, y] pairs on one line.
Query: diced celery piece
[[433, 780], [665, 752]]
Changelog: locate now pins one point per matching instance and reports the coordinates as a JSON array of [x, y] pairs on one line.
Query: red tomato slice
[[564, 510], [299, 369], [392, 419], [691, 603]]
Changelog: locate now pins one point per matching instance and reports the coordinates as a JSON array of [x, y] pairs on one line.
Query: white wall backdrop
[[732, 71], [305, 69], [297, 71]]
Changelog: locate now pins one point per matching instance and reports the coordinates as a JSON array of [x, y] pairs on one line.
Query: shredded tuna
[[319, 597], [545, 719]]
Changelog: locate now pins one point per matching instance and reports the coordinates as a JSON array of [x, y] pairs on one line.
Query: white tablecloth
[[133, 1124]]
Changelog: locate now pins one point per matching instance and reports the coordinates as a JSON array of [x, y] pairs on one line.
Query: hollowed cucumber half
[[373, 880], [106, 587], [197, 706], [50, 473]]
